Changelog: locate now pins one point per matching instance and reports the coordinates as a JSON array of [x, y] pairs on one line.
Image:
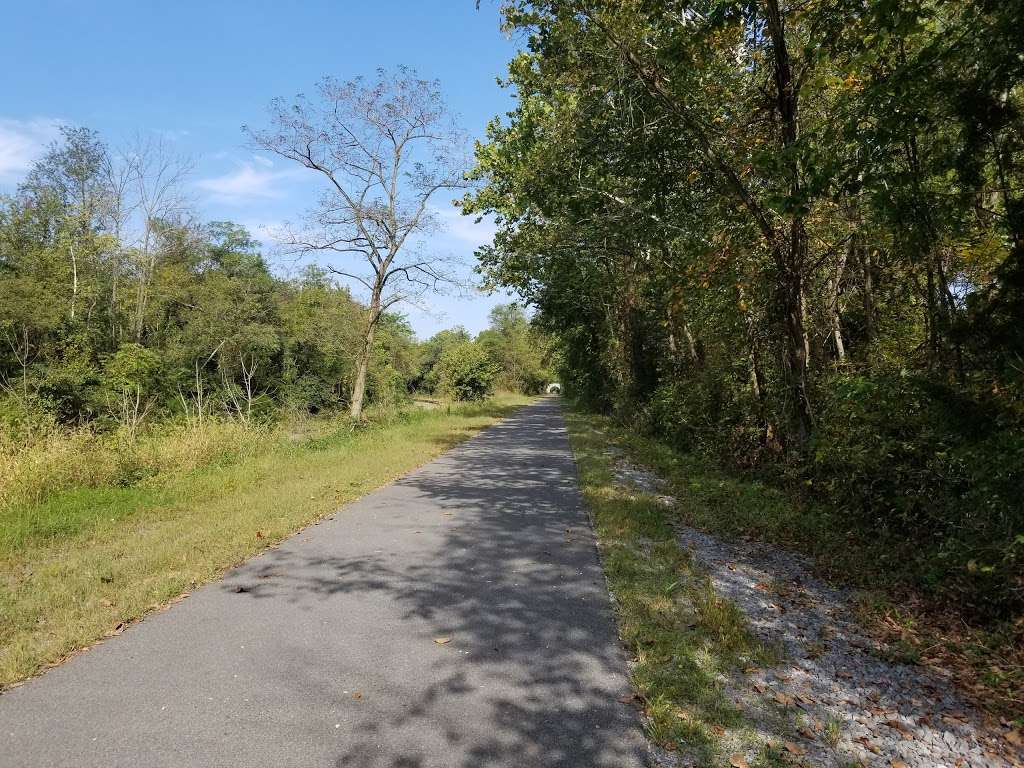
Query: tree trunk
[[363, 359], [868, 295], [790, 256], [74, 279], [795, 355], [691, 343], [834, 282], [757, 380]]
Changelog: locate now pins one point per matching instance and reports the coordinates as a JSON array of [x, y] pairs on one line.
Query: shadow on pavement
[[510, 574]]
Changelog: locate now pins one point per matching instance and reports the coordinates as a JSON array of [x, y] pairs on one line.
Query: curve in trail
[[457, 617]]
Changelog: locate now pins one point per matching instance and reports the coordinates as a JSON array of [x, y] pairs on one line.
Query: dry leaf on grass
[[738, 761]]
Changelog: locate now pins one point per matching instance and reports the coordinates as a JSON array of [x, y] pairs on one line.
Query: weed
[[93, 553], [833, 731]]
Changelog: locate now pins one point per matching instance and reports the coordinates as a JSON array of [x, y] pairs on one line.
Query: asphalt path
[[456, 618]]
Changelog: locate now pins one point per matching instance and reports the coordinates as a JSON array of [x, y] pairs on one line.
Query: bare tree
[[383, 149], [241, 399], [153, 174]]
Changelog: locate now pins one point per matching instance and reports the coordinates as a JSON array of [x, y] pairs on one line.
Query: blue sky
[[194, 72]]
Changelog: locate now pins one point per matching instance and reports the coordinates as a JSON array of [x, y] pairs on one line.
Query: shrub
[[932, 472], [37, 465], [466, 372]]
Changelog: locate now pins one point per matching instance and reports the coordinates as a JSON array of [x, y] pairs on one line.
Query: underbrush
[[905, 483], [916, 615]]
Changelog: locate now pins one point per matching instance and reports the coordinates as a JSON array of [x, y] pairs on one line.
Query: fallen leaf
[[897, 725], [783, 699], [357, 696], [1014, 737], [898, 764], [259, 534], [867, 744], [738, 761], [442, 640], [794, 749]]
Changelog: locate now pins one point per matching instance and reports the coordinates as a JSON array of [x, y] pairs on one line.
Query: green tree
[[465, 372]]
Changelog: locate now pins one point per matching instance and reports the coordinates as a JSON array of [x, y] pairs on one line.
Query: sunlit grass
[[89, 558], [684, 639]]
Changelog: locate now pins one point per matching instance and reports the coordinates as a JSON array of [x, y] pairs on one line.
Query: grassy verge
[[986, 662], [87, 560], [685, 641]]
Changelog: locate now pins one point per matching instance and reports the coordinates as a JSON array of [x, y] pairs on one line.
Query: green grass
[[682, 636], [83, 561]]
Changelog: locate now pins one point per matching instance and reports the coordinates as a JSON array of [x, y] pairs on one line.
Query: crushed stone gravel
[[835, 700]]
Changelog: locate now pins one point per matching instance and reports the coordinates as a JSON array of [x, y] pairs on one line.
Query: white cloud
[[246, 184], [464, 229], [22, 142]]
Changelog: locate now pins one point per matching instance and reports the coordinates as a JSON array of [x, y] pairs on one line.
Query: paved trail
[[322, 652]]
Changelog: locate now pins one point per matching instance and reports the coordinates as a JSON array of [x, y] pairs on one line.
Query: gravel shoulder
[[835, 700]]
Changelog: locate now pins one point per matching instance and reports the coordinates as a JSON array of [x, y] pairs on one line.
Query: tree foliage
[[788, 234], [97, 302]]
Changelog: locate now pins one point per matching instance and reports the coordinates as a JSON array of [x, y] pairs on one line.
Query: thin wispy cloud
[[465, 229], [22, 142], [250, 181]]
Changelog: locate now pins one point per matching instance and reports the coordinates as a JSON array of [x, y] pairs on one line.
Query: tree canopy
[[789, 234]]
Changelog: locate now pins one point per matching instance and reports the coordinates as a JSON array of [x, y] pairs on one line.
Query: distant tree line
[[791, 235], [117, 307]]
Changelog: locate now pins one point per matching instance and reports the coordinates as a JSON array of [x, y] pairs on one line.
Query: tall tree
[[383, 148]]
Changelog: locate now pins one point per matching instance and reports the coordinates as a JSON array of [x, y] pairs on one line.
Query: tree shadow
[[489, 546]]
